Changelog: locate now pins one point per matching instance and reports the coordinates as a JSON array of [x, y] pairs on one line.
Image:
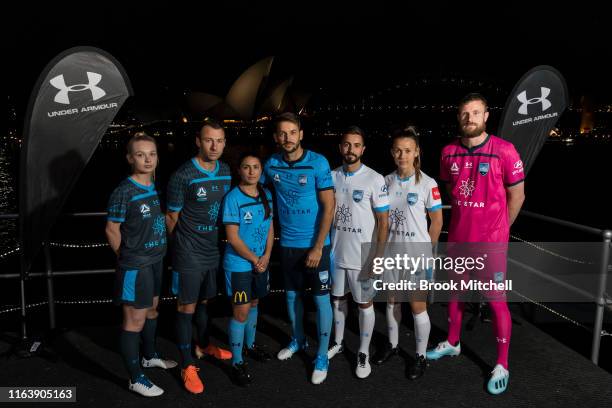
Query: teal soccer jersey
[[197, 194], [143, 226], [296, 185], [248, 213]]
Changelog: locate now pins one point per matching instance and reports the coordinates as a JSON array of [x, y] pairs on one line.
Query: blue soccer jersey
[[143, 226], [249, 214], [296, 185], [197, 194]]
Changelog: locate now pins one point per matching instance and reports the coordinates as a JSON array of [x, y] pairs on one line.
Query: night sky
[[345, 50]]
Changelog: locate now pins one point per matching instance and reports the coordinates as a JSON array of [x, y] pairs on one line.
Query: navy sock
[[183, 337], [129, 343], [148, 338], [201, 322]]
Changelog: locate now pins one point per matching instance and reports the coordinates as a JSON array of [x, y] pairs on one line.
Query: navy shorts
[[243, 287], [138, 286], [298, 277], [192, 285]]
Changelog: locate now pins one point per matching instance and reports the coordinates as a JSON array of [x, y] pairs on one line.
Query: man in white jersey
[[362, 206], [413, 196]]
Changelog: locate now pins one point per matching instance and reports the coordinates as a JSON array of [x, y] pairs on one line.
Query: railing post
[[24, 331], [49, 275], [601, 301]]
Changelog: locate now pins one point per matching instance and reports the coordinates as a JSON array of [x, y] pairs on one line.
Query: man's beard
[[475, 132], [351, 159], [289, 151]]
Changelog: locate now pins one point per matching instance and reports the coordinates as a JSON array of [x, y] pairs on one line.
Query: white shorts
[[347, 280]]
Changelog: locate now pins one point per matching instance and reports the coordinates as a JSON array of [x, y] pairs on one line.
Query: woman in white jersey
[[413, 196]]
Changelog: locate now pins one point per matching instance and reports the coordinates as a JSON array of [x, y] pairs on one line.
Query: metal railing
[[600, 300]]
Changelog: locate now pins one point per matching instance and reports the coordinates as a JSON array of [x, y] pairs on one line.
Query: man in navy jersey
[[195, 192], [305, 207]]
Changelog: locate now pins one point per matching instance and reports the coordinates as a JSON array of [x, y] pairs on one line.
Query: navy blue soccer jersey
[[248, 213], [143, 226], [296, 185], [197, 194]]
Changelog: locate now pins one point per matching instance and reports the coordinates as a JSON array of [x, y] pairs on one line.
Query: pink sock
[[502, 328], [455, 315]]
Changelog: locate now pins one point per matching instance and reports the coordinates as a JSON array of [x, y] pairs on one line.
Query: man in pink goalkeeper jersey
[[484, 179]]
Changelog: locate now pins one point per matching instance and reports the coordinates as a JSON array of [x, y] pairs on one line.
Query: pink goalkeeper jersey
[[478, 177]]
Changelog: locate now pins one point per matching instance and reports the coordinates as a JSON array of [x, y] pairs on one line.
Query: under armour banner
[[532, 110], [72, 104]]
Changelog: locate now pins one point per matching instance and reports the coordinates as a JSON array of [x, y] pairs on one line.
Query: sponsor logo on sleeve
[[518, 167], [435, 193]]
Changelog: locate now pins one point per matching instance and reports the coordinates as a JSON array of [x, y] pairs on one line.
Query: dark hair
[[210, 122], [474, 96], [354, 130], [260, 189], [287, 117], [139, 137], [410, 132]]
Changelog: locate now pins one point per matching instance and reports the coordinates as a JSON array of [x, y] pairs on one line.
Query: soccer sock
[[148, 338], [455, 315], [236, 334], [340, 313], [129, 343], [422, 327], [366, 328], [183, 337], [502, 328], [394, 317], [295, 308], [251, 327], [201, 322], [324, 322]]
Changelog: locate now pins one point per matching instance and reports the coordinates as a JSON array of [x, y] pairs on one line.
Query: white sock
[[366, 327], [340, 312], [394, 317], [422, 327]]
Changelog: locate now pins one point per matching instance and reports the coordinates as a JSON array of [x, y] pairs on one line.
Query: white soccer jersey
[[358, 196], [408, 205]]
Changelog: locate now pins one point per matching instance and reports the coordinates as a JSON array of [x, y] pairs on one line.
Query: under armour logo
[[522, 97], [62, 96]]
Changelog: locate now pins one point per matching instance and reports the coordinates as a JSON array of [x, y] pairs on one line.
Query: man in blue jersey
[[305, 200], [195, 192]]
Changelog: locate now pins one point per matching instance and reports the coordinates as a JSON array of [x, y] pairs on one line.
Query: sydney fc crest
[[324, 276], [302, 179], [357, 195], [412, 198], [483, 169]]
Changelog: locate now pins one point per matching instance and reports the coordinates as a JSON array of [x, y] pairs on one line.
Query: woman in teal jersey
[[247, 216]]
